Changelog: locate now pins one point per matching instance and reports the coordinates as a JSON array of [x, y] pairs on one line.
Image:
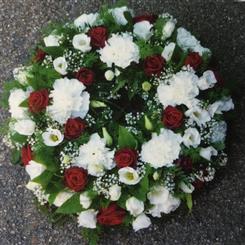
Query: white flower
[[60, 65], [191, 138], [218, 132], [186, 41], [162, 149], [120, 50], [25, 127], [198, 115], [168, 51], [118, 14], [32, 186], [226, 104], [62, 197], [134, 206], [52, 137], [208, 152], [207, 80], [34, 169], [86, 19], [16, 97], [115, 192], [128, 176], [143, 30], [81, 42], [21, 74], [51, 40], [69, 100], [168, 28], [182, 89], [186, 188], [95, 156], [85, 200], [158, 195], [141, 222], [109, 75], [87, 219]]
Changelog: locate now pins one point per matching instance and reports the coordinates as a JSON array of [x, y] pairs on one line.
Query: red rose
[[185, 163], [126, 157], [172, 117], [85, 75], [38, 100], [194, 60], [74, 127], [26, 155], [39, 56], [147, 17], [112, 215], [98, 36], [76, 178], [153, 65]]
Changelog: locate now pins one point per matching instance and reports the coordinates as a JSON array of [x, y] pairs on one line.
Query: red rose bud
[[98, 36], [194, 60], [38, 100], [126, 157], [198, 184], [185, 163], [85, 76], [26, 155], [146, 17], [76, 178], [172, 117], [153, 65], [112, 215], [39, 56], [74, 127]]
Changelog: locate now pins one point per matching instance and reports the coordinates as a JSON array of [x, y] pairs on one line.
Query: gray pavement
[[218, 216]]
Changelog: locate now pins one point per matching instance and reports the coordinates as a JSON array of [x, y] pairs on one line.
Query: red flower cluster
[[153, 65], [38, 100], [85, 76], [172, 117], [74, 127], [26, 155], [98, 36], [126, 157]]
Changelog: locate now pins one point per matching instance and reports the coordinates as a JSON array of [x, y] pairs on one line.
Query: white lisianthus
[[207, 80], [168, 51], [141, 222], [162, 149], [198, 115], [208, 152], [69, 100], [62, 197], [52, 137], [118, 15], [115, 192], [86, 20], [168, 28], [16, 97], [85, 200], [120, 50], [34, 169], [143, 30], [95, 156], [109, 75], [186, 188], [128, 176], [51, 40], [25, 127], [21, 74], [87, 219], [134, 206], [81, 42], [226, 104], [182, 89], [191, 138], [60, 65]]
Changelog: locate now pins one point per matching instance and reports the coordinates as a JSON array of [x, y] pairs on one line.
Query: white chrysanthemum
[[182, 89], [198, 115], [226, 104], [143, 30], [25, 127], [52, 137], [187, 41], [60, 65], [120, 50], [34, 169], [118, 14], [86, 19], [95, 156], [207, 80], [81, 42], [191, 138], [162, 149], [51, 40], [69, 100], [17, 96], [168, 51]]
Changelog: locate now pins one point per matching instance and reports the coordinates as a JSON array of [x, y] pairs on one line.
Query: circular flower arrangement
[[117, 118]]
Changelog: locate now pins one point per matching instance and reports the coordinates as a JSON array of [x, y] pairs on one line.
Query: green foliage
[[44, 178], [15, 157], [193, 153], [92, 235], [53, 51], [89, 59], [189, 202], [158, 26], [126, 139], [24, 103], [19, 138], [120, 83], [146, 49]]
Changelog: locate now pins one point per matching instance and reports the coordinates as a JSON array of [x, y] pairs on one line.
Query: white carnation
[[141, 222], [143, 30], [25, 127], [162, 149], [120, 50], [86, 20], [60, 65], [34, 169], [87, 219], [81, 42], [191, 138]]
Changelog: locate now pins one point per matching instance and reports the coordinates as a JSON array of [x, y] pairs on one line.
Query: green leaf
[[71, 206], [15, 157], [16, 137], [126, 139], [44, 178], [24, 103], [120, 83], [89, 59], [97, 104], [53, 51], [189, 201], [91, 235]]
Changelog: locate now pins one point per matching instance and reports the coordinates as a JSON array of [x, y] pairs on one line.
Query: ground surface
[[218, 216]]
